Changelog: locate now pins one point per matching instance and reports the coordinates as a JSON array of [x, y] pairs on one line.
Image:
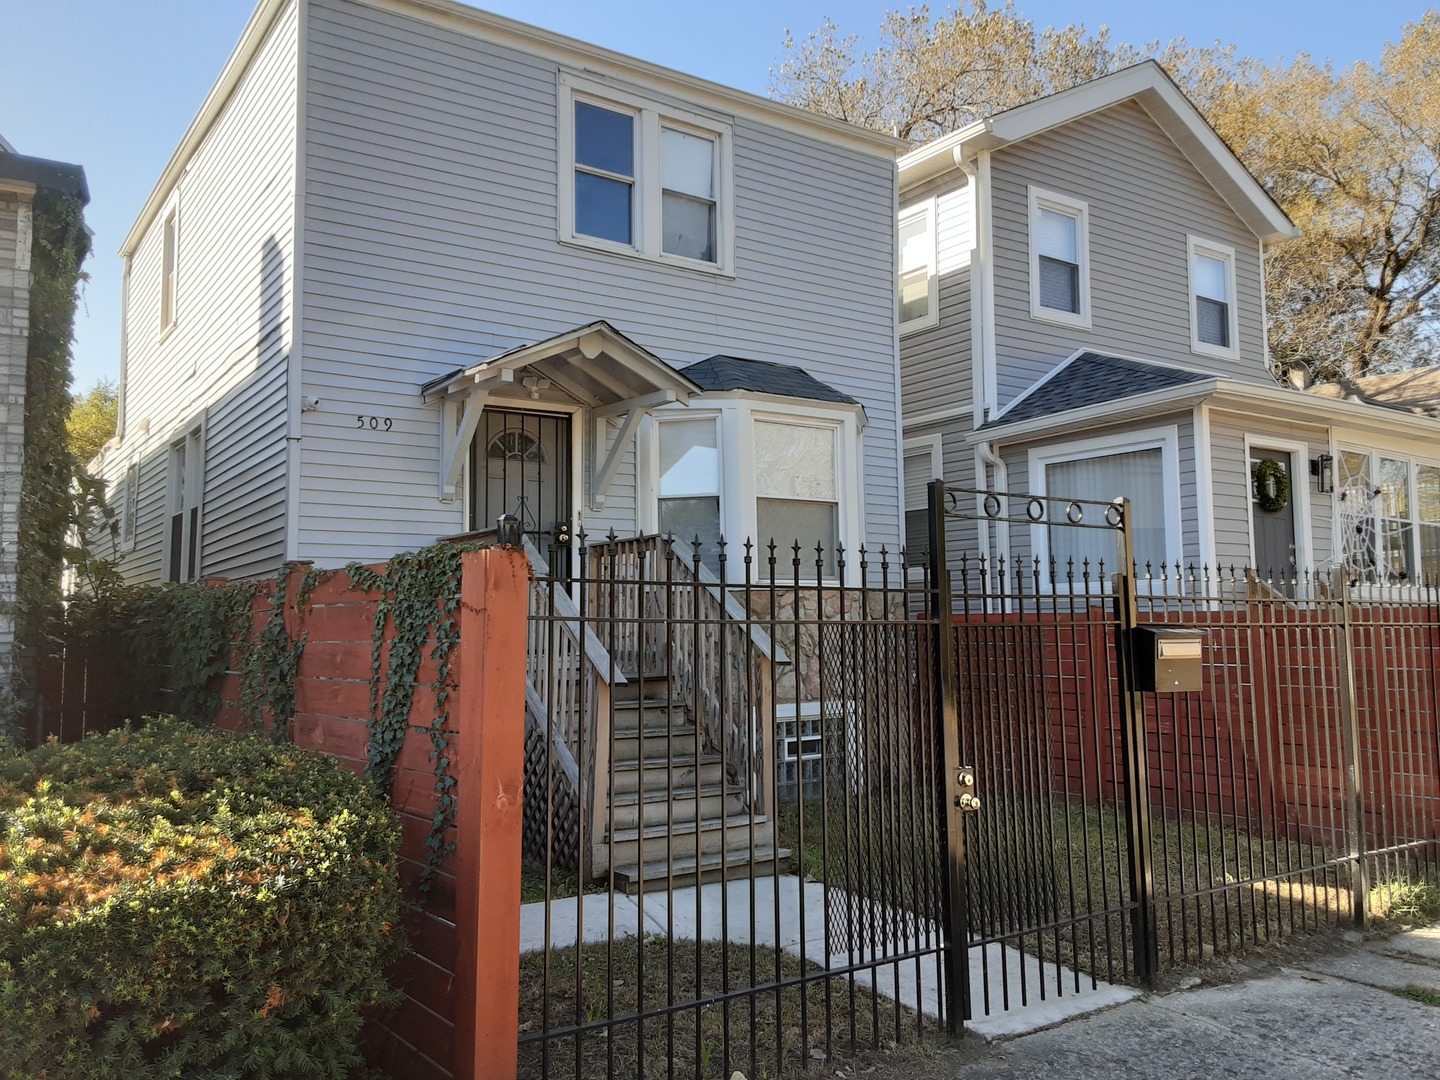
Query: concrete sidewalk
[[1329, 1017]]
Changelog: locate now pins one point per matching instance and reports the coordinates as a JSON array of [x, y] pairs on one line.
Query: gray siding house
[[1082, 315], [415, 266]]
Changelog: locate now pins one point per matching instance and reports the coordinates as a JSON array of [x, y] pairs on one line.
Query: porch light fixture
[[1322, 468], [535, 384]]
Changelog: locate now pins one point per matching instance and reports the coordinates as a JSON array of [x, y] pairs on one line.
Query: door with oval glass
[[520, 464], [1272, 514]]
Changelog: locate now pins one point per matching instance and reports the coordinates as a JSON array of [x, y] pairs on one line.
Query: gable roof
[[1415, 391], [472, 22], [1090, 378], [1148, 85], [762, 377]]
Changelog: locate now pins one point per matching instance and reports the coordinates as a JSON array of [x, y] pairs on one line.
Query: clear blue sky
[[112, 84]]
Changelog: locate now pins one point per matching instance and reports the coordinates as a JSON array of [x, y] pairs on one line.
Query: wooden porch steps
[[676, 818]]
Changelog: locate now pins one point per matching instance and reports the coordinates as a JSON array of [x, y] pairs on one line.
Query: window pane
[[1137, 475], [686, 519], [602, 207], [1430, 554], [917, 537], [687, 163], [689, 458], [1055, 235], [1212, 322], [919, 471], [915, 246], [1059, 285], [1394, 488], [1428, 492], [689, 227], [1395, 550], [786, 522], [604, 139], [915, 294], [1210, 278], [794, 462]]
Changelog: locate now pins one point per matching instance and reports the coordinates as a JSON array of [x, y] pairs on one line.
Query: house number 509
[[374, 423]]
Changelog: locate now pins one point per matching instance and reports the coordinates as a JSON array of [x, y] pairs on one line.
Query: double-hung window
[[797, 495], [641, 179], [183, 497], [169, 250], [1212, 299], [130, 507], [919, 305], [1059, 259], [688, 488], [922, 465], [1388, 517]]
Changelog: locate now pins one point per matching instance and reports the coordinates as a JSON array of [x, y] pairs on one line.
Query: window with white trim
[[1059, 259], [130, 505], [1213, 326], [919, 305], [168, 253], [642, 179], [183, 495], [688, 483], [1388, 517], [797, 494], [1143, 468], [923, 463]]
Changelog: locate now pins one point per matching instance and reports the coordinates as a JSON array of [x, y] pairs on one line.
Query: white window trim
[[917, 444], [1299, 496], [1166, 439], [193, 435], [1374, 453], [924, 209], [1080, 211], [736, 417], [1197, 245], [170, 219], [650, 117]]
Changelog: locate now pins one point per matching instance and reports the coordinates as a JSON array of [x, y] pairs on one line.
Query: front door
[[1274, 526], [520, 464]]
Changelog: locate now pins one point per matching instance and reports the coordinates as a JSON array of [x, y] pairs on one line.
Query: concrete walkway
[[792, 916], [1333, 1017]]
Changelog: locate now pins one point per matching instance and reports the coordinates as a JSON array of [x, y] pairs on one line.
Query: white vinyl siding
[[935, 360], [431, 222], [224, 356], [1143, 198]]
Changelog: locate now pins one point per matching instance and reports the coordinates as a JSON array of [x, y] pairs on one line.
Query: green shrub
[[183, 903]]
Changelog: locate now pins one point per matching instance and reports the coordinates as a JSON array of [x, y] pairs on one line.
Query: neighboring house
[[21, 179], [415, 266], [1082, 315]]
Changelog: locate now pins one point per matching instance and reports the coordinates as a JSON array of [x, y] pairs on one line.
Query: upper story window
[[642, 179], [1059, 259], [167, 272], [1212, 299], [918, 286]]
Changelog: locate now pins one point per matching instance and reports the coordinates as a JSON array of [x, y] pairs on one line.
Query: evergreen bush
[[177, 902]]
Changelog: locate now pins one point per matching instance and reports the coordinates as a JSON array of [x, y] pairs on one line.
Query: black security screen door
[[520, 464]]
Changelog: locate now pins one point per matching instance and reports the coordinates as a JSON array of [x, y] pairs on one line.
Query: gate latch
[[965, 780]]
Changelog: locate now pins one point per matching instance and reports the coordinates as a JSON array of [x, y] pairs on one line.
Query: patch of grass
[[685, 1007], [1422, 994], [1405, 900]]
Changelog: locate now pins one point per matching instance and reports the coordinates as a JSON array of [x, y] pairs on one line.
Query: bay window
[[796, 494], [688, 485], [1388, 517]]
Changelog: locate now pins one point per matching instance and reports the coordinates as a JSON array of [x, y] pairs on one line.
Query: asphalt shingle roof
[[56, 175], [762, 377], [1092, 378]]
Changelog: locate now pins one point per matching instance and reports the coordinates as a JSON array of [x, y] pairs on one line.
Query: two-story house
[[415, 266], [1082, 315]]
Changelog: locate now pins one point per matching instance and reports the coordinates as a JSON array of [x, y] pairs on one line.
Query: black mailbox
[[1167, 659]]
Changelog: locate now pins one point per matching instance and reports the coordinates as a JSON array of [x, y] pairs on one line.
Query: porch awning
[[594, 366]]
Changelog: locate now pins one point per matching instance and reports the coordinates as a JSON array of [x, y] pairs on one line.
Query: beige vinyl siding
[[431, 243], [223, 361], [935, 362], [1231, 483], [1144, 198]]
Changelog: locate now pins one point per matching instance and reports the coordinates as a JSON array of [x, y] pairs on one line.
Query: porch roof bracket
[[455, 436], [630, 412]]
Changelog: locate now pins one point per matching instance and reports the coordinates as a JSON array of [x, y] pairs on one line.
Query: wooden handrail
[[569, 617]]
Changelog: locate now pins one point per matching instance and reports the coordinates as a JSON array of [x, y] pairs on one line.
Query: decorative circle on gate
[[991, 505], [1035, 511], [1115, 515], [1074, 513]]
